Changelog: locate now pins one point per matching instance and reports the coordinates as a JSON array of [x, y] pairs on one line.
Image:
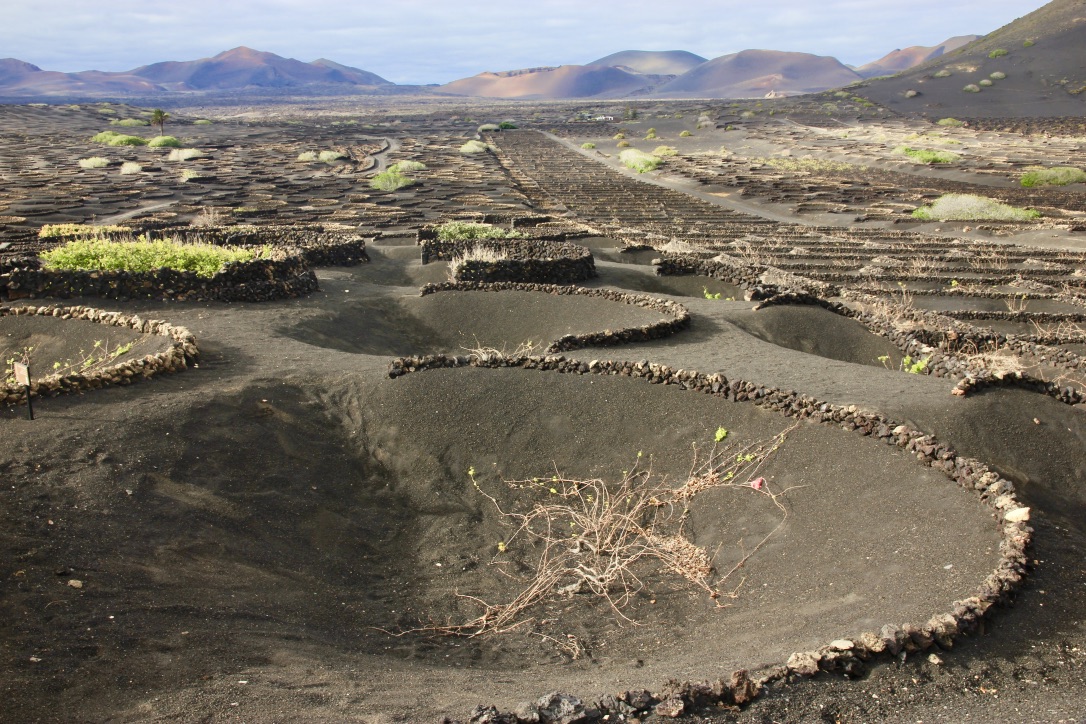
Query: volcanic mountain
[[1031, 63], [237, 69], [246, 68], [756, 73], [905, 58], [652, 62], [566, 81]]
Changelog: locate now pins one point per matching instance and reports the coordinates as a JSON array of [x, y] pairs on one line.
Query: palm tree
[[159, 118]]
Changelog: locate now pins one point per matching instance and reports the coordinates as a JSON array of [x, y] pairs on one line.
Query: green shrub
[[685, 134], [470, 231], [967, 207], [128, 122], [112, 138], [129, 167], [998, 75], [164, 142], [488, 128], [622, 144], [107, 111], [639, 160], [201, 122], [972, 88], [619, 136], [926, 156], [1028, 44], [1055, 176], [997, 53], [664, 151], [55, 231], [93, 162], [331, 156], [407, 166], [185, 154], [944, 73], [473, 147], [190, 175], [950, 122], [507, 125], [307, 156], [99, 254], [390, 180], [650, 134], [985, 83], [588, 146]]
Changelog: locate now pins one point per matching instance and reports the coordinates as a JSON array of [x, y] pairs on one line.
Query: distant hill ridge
[[237, 69]]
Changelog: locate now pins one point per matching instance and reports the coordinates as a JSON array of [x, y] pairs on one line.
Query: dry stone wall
[[182, 353], [847, 655]]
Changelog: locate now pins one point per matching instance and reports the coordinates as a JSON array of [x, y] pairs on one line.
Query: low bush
[[164, 142], [507, 126], [473, 147], [998, 75], [650, 134], [470, 231], [997, 53], [55, 231], [307, 156], [185, 154], [331, 156], [985, 83], [129, 167], [1028, 44], [128, 122], [390, 180], [142, 255], [112, 138], [407, 166], [1055, 176], [639, 160], [488, 128], [944, 73], [926, 156], [588, 146], [622, 144], [967, 207], [950, 122], [93, 162], [619, 136], [972, 88], [190, 175], [685, 134], [664, 151], [201, 122]]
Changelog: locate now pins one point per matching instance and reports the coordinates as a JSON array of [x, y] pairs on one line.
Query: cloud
[[435, 41]]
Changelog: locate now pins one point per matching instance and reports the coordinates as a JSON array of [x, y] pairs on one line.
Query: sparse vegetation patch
[[142, 255], [185, 154], [927, 156], [164, 142], [473, 147], [469, 230], [390, 180], [968, 207], [1055, 176], [93, 162], [639, 160]]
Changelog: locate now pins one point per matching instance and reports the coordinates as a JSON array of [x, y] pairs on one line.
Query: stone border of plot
[[541, 260], [259, 280], [918, 343], [848, 655], [182, 353], [287, 275], [679, 316]]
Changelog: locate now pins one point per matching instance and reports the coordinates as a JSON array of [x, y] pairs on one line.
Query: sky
[[436, 41]]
